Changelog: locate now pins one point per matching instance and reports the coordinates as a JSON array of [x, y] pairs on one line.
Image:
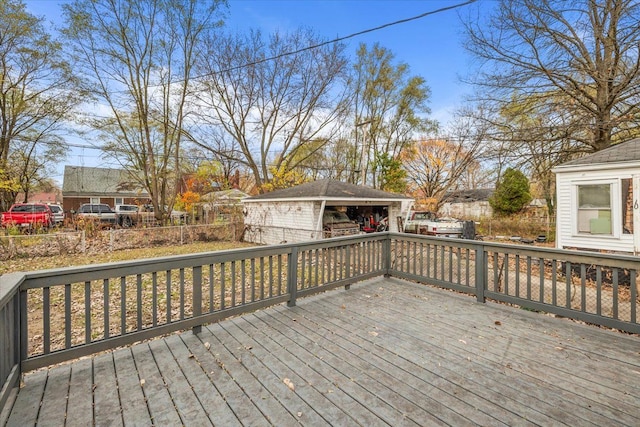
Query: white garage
[[296, 214]]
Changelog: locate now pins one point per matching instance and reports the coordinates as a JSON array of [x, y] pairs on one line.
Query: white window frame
[[614, 197], [94, 200]]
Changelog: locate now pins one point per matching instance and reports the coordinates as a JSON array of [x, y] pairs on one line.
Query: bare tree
[[137, 57], [438, 165], [389, 108], [272, 95], [579, 58], [37, 91]]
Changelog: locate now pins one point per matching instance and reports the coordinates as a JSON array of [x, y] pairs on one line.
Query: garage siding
[[279, 222]]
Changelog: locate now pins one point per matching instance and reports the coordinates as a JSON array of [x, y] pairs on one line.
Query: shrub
[[512, 193]]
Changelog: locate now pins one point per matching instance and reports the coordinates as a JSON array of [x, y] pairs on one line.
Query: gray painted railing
[[50, 316]]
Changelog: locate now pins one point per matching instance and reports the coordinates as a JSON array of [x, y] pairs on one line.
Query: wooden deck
[[385, 352]]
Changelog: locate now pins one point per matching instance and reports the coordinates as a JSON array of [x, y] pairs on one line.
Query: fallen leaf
[[299, 414], [142, 381], [498, 323], [289, 384], [207, 345], [462, 341], [373, 333], [191, 356]]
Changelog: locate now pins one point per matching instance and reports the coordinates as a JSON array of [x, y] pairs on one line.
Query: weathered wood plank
[[27, 404], [54, 400], [272, 409], [320, 393], [391, 392], [216, 407], [131, 393], [555, 401], [107, 411], [228, 387], [373, 407], [491, 392], [492, 384], [186, 402], [406, 381], [615, 400], [280, 382], [158, 399], [80, 405]]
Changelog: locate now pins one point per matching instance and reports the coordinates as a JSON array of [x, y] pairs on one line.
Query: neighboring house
[[296, 214], [467, 204], [223, 202], [99, 185], [49, 198], [597, 200]]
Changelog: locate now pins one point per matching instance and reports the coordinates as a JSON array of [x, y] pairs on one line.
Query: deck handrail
[[50, 316]]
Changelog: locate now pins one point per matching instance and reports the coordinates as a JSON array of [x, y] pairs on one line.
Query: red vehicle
[[28, 215]]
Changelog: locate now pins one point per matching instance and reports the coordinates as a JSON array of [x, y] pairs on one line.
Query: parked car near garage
[[28, 215], [58, 214], [425, 222], [100, 212], [132, 215]]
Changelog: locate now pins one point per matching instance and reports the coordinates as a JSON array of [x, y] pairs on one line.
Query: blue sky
[[432, 45]]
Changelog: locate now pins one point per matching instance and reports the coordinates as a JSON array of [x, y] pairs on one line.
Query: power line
[[338, 39]]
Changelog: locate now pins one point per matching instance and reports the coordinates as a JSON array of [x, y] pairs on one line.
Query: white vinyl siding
[[574, 222]]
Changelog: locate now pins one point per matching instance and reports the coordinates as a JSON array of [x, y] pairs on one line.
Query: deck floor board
[[385, 352]]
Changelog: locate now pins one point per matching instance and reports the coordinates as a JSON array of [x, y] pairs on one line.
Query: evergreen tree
[[512, 193]]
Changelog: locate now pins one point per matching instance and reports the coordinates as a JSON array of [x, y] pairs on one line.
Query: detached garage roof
[[329, 190]]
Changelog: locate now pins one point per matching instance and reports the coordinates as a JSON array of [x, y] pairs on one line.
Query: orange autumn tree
[[434, 167], [196, 185], [187, 200]]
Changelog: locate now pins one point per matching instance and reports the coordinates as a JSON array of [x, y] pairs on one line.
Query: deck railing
[[50, 316]]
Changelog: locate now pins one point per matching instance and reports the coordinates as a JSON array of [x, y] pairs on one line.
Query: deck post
[[481, 270], [386, 255], [292, 276], [197, 296], [348, 272]]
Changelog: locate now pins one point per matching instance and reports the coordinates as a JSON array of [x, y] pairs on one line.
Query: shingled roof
[[328, 189], [81, 180], [623, 152]]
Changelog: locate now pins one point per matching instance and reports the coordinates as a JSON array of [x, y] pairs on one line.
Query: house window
[[594, 209], [119, 201], [94, 200]]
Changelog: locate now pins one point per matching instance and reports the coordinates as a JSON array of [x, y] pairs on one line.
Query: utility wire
[[338, 39]]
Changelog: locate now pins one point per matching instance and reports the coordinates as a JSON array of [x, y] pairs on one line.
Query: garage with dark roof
[[313, 211]]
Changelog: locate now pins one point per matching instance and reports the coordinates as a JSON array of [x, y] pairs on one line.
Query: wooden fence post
[[292, 277], [481, 271]]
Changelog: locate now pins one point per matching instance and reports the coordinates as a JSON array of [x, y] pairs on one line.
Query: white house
[[597, 200], [467, 204], [296, 214]]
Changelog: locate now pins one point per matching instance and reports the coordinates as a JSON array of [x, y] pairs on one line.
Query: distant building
[[100, 185], [467, 204]]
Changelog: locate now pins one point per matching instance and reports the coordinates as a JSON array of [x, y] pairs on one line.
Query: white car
[[58, 214]]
